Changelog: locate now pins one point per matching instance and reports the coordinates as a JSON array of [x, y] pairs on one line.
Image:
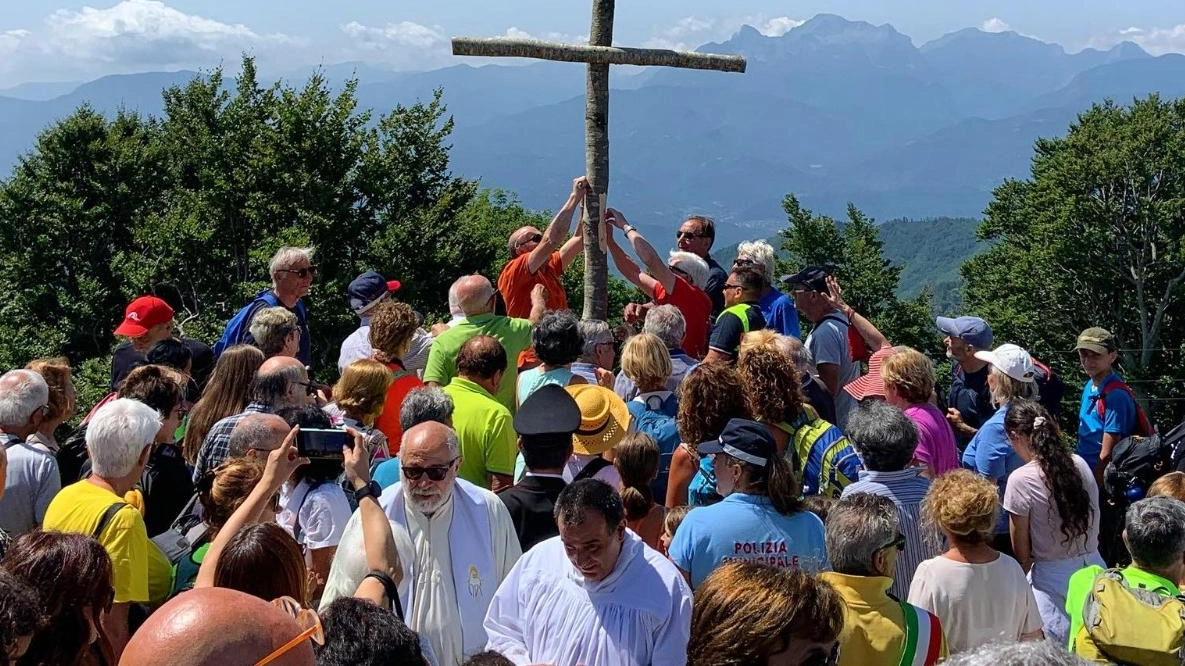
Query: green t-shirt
[[1083, 579], [486, 430], [514, 334]]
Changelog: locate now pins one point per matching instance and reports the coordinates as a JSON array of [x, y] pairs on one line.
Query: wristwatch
[[372, 489]]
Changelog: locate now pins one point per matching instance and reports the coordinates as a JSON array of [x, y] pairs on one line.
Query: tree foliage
[[855, 252], [1095, 237]]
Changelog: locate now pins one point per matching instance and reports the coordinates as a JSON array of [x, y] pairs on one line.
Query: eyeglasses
[[309, 387], [435, 473], [733, 286], [744, 262], [301, 273], [308, 620], [898, 543], [678, 271], [681, 235]]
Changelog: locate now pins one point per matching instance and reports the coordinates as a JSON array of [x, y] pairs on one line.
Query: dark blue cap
[[745, 440], [972, 330]]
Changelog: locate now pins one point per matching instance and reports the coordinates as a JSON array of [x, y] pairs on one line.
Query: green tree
[[1094, 237], [855, 252]]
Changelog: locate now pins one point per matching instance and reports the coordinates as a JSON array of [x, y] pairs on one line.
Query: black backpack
[[186, 534], [1137, 461]]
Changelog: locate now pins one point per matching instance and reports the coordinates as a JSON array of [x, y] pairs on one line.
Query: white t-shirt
[[828, 343], [323, 513], [976, 603]]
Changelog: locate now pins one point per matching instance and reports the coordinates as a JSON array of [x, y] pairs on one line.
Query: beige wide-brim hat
[[604, 419]]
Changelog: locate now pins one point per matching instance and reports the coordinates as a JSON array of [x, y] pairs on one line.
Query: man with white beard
[[464, 539]]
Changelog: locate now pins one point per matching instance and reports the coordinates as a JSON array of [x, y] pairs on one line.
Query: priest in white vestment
[[464, 543], [596, 595]]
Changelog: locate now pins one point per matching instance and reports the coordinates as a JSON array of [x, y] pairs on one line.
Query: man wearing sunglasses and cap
[[292, 272], [366, 291], [464, 540], [542, 257]]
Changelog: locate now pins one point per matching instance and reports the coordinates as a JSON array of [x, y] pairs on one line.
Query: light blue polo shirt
[[991, 455], [748, 528]]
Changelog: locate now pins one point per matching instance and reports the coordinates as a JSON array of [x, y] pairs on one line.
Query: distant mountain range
[[834, 110]]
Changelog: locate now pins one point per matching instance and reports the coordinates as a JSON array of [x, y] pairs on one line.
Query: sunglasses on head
[[743, 262], [301, 273], [898, 543], [680, 235], [310, 624], [435, 473]]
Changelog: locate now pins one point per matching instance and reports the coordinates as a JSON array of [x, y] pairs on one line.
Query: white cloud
[[1156, 41], [995, 24], [776, 27], [402, 34], [561, 37]]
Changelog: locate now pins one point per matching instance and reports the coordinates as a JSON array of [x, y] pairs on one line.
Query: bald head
[[256, 434], [276, 380], [277, 364], [475, 295], [188, 631], [429, 439]]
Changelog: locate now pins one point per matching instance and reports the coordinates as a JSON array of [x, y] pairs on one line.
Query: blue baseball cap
[[745, 440], [972, 330]]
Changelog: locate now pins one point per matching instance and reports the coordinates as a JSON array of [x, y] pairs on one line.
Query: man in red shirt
[[678, 283], [535, 260]]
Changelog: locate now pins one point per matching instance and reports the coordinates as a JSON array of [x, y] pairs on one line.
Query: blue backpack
[[238, 331], [656, 417]]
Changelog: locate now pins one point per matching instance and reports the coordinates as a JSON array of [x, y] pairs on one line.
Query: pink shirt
[[936, 440]]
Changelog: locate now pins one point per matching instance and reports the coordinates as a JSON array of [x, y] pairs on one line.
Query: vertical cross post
[[596, 164]]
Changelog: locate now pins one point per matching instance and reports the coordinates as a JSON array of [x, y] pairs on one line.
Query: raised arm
[[281, 463], [377, 540], [654, 263], [538, 303], [867, 330], [573, 246], [560, 225], [627, 267]]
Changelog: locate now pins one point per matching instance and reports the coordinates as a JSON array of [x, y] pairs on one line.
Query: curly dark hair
[[709, 396], [557, 338], [392, 325], [1057, 465], [773, 387]]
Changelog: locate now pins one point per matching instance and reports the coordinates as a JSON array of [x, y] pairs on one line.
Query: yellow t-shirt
[[140, 572]]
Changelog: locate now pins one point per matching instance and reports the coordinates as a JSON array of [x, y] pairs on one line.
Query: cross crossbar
[[594, 55]]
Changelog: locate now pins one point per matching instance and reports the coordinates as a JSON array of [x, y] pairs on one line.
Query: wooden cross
[[599, 54]]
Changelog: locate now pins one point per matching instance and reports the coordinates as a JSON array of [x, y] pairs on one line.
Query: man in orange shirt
[[534, 258]]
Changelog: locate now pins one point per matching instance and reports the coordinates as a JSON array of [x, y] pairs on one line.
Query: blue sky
[[75, 41]]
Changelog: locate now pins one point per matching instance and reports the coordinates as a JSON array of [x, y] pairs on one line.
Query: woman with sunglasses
[[863, 542], [292, 272]]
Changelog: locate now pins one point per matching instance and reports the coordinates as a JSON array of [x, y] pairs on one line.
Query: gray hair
[[762, 253], [801, 355], [858, 527], [425, 404], [257, 431], [1029, 653], [273, 388], [287, 256], [668, 323], [22, 392], [692, 264], [454, 299], [883, 435], [1155, 532], [270, 327], [118, 434], [595, 332]]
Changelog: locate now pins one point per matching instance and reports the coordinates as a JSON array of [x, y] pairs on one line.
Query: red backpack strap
[[1143, 424]]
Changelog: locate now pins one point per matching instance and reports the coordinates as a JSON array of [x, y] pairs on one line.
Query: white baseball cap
[[1012, 361]]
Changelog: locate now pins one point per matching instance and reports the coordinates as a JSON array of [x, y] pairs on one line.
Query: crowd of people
[[517, 486]]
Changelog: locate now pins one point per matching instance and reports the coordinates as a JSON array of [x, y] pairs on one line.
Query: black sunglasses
[[743, 262], [435, 473], [680, 235], [301, 273], [309, 387], [898, 543], [733, 286], [533, 239], [678, 271]]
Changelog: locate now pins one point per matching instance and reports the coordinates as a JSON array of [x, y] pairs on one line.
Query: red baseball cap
[[142, 314]]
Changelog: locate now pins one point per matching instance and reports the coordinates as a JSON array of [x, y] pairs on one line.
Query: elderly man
[[696, 235], [119, 439], [863, 543], [541, 258], [969, 403], [596, 360], [257, 434], [742, 313], [679, 283], [828, 341], [146, 321], [778, 308], [1155, 537], [483, 424], [476, 297], [244, 630], [33, 478], [885, 439], [465, 544], [292, 272], [667, 323], [594, 595], [366, 291], [281, 381], [427, 403]]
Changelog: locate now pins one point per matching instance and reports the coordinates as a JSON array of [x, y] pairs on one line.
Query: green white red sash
[[923, 637]]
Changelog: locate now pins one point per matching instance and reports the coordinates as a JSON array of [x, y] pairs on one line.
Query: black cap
[[813, 278], [745, 440], [550, 410]]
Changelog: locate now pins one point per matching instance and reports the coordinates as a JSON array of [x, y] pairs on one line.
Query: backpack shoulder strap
[[106, 518], [590, 470]]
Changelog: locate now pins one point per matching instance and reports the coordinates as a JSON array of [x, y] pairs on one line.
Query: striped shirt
[[906, 488]]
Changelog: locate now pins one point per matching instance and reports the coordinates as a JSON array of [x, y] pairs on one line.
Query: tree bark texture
[[597, 55], [596, 164]]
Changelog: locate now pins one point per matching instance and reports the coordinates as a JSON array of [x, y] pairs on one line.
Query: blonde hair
[[646, 361], [1169, 485], [773, 387], [223, 490], [362, 389], [56, 373], [962, 504], [1008, 389], [674, 518], [910, 374]]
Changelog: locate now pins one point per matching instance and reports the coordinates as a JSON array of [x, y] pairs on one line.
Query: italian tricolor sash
[[923, 637]]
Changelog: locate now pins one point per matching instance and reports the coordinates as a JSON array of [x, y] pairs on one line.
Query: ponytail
[[636, 460], [1066, 486], [776, 480]]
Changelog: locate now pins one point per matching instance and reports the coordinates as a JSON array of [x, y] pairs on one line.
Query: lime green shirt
[[1083, 580], [486, 430], [514, 334]]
